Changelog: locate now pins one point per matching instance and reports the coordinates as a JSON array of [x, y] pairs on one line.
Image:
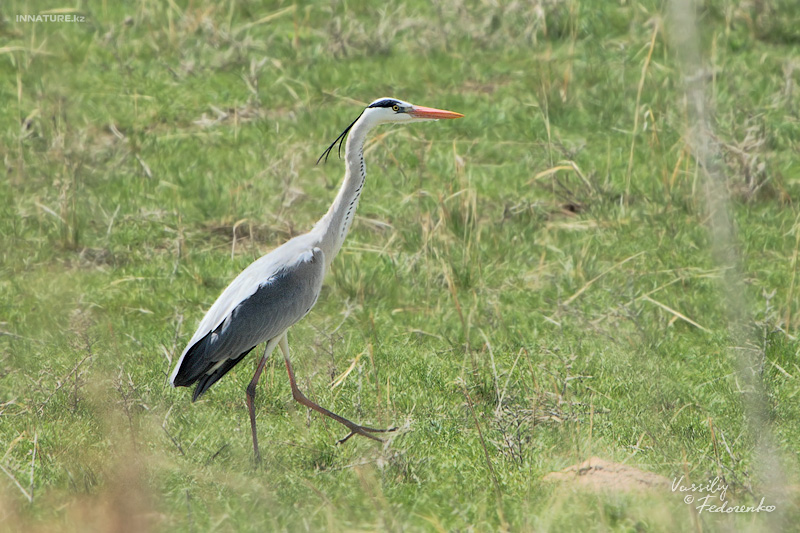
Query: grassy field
[[538, 283]]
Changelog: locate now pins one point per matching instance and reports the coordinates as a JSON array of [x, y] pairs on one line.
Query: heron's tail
[[196, 366], [206, 380]]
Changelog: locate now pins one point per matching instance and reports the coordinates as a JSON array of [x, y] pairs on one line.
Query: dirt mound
[[597, 474]]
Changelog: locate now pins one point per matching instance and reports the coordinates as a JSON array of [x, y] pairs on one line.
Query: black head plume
[[340, 139]]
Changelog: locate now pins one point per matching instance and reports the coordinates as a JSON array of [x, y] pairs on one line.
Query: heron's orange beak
[[418, 111]]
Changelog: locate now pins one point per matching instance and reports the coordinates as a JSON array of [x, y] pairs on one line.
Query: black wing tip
[[182, 378], [204, 381], [199, 390], [187, 381]]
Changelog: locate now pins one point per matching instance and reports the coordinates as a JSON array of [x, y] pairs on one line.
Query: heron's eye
[[395, 108]]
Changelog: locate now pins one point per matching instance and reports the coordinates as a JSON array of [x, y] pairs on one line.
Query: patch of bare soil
[[599, 475]]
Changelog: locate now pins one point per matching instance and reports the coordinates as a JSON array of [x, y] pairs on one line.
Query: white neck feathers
[[333, 227]]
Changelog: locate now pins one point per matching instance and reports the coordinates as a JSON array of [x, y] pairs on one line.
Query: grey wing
[[277, 304]]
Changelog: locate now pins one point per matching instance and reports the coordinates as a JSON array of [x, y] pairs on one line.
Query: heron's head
[[389, 111]]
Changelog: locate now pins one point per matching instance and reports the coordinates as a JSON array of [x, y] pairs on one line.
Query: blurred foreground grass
[[523, 289]]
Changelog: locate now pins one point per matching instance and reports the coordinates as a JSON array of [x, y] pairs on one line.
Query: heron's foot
[[366, 432], [355, 429]]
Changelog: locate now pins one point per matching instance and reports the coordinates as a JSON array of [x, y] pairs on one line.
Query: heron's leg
[[301, 398], [250, 394]]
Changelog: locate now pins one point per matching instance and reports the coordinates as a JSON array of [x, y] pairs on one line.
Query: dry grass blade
[[265, 19], [571, 165], [11, 49], [675, 313], [28, 495], [637, 108], [603, 273], [343, 376]]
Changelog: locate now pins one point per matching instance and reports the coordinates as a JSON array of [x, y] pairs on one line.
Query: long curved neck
[[333, 227]]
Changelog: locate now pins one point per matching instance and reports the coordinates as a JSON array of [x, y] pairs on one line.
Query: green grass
[[511, 320]]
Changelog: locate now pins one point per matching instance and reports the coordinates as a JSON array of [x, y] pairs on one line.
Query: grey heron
[[281, 287]]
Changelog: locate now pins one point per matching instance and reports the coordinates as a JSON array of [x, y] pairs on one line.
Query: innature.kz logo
[[51, 18]]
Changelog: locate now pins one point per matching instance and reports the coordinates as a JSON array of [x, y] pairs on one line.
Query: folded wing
[[266, 299]]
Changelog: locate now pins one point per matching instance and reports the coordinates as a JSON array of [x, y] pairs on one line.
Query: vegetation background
[[543, 281]]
